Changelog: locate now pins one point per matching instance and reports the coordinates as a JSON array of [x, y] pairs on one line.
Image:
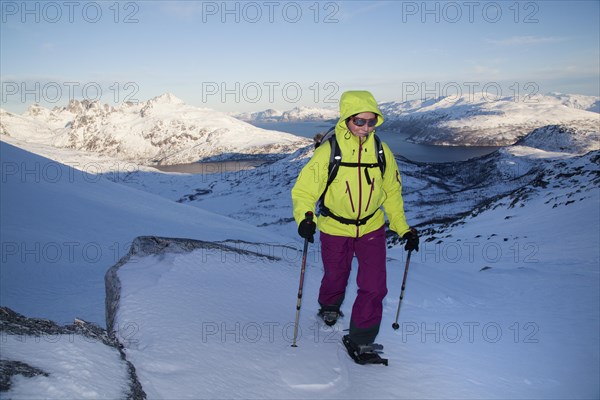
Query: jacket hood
[[356, 102]]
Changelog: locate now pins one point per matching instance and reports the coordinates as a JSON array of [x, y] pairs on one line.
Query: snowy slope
[[161, 130], [563, 139], [62, 228]]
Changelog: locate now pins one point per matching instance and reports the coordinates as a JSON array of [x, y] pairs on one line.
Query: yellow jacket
[[350, 195]]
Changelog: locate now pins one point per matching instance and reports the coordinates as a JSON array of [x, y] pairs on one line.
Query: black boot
[[330, 315], [364, 353]]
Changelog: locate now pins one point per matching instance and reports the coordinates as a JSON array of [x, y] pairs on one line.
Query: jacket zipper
[[370, 194], [359, 184], [349, 195]]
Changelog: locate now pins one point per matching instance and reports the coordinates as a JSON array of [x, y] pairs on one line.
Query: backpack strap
[[380, 154], [326, 212], [335, 160]]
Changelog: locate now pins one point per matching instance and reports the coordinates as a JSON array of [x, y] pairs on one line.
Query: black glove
[[307, 227], [412, 240]]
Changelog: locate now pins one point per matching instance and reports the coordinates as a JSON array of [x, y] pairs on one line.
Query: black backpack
[[335, 161]]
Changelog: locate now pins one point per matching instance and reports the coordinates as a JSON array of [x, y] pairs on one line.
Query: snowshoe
[[330, 317], [365, 353]]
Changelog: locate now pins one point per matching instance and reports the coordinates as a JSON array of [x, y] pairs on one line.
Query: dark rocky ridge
[[13, 323]]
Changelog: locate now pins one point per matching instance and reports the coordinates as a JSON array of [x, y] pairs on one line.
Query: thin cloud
[[526, 40]]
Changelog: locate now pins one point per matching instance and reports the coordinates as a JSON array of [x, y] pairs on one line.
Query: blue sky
[[249, 56]]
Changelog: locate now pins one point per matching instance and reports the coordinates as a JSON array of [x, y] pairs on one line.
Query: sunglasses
[[362, 121]]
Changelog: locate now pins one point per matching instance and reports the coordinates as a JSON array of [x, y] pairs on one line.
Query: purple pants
[[337, 253]]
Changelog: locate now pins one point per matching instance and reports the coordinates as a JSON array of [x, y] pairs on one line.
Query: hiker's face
[[367, 119]]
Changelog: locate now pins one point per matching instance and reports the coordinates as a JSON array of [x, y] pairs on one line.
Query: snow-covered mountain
[[309, 114], [582, 102], [297, 114], [578, 139], [478, 120], [162, 130], [269, 115]]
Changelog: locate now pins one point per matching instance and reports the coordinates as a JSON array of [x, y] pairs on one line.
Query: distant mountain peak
[[36, 109], [166, 98]]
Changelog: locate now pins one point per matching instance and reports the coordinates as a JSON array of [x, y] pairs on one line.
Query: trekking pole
[[309, 216], [395, 324]]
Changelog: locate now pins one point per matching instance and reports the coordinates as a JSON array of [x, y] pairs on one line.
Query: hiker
[[350, 217]]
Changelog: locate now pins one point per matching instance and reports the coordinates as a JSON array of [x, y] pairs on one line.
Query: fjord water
[[396, 141]]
